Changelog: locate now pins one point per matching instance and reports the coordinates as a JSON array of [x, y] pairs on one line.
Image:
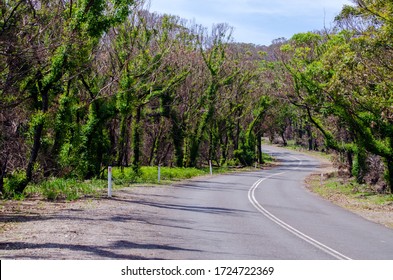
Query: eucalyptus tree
[[143, 46], [213, 52], [245, 101], [176, 102]]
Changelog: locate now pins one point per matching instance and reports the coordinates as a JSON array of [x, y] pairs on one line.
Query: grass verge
[[71, 189], [358, 198]]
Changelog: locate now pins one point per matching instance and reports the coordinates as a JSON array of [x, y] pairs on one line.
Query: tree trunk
[[137, 139], [36, 143], [153, 151], [34, 152], [194, 150], [350, 160], [285, 143], [389, 173], [224, 149], [259, 149], [3, 168], [310, 138], [178, 139], [124, 138], [237, 135], [359, 167]]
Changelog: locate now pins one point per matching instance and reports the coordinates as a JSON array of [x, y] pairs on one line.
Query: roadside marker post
[[110, 181], [159, 173], [211, 167]]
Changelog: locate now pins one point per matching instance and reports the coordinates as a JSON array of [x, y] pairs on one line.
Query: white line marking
[[270, 216]]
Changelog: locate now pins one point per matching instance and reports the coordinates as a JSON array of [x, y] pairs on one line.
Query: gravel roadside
[[89, 229]]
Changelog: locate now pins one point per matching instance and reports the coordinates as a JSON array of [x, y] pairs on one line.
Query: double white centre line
[[270, 216]]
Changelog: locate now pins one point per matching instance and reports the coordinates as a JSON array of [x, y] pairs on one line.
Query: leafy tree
[[147, 75]]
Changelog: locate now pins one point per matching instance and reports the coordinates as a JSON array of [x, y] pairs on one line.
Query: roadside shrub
[[11, 185]]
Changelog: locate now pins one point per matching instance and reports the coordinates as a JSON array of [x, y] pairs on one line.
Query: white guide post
[[110, 181], [211, 167], [159, 173]]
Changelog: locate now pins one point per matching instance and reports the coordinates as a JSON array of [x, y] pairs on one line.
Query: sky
[[256, 21]]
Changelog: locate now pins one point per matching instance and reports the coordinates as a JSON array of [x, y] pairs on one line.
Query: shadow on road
[[107, 252], [183, 207]]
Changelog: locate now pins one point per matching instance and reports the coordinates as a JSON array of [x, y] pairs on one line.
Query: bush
[[245, 156], [12, 184]]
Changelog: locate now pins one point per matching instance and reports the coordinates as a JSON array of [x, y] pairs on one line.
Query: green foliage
[[308, 39], [246, 153], [149, 174], [96, 17], [12, 184], [65, 189], [359, 168], [38, 119]]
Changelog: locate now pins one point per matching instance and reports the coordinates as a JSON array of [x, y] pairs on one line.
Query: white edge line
[[270, 216]]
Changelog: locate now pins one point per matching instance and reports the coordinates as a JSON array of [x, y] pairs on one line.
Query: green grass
[[149, 175], [66, 189], [383, 199], [73, 189], [267, 158]]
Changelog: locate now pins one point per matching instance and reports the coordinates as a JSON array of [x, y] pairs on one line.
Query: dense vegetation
[[86, 84]]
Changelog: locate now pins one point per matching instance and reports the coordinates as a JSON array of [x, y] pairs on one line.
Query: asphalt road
[[266, 214]]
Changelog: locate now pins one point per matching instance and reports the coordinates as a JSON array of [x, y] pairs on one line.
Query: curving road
[[263, 215]]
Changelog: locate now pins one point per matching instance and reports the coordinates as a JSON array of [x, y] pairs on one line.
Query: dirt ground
[[89, 229]]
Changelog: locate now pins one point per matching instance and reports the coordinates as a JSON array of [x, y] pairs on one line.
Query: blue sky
[[256, 21]]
